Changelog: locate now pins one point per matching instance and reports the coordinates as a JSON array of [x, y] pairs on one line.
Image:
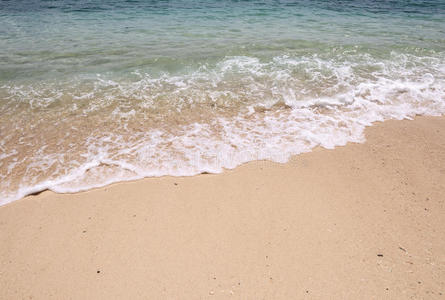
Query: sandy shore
[[364, 221]]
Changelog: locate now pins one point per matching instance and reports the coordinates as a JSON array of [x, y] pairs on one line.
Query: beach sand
[[363, 221]]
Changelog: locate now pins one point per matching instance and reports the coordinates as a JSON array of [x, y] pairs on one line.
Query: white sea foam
[[254, 110]]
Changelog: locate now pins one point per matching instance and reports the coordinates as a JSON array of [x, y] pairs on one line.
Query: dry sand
[[364, 221]]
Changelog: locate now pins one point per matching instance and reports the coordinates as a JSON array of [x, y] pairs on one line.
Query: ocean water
[[94, 92]]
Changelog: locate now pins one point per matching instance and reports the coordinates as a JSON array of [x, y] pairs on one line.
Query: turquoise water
[[93, 92], [53, 39]]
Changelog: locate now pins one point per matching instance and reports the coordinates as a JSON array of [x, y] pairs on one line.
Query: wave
[[69, 136]]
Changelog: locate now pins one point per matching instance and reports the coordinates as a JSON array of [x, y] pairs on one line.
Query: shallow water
[[93, 92]]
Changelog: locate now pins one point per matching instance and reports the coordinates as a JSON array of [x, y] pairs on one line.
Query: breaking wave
[[72, 135]]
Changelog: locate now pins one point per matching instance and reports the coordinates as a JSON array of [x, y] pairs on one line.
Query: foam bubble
[[89, 132]]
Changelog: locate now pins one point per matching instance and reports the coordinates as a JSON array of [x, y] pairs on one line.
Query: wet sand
[[364, 221]]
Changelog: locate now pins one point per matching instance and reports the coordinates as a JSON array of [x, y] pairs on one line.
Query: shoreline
[[363, 220], [292, 158]]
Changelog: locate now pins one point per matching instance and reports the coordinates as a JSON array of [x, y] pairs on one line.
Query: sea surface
[[94, 92]]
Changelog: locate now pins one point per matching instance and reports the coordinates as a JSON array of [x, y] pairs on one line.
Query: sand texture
[[363, 221]]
